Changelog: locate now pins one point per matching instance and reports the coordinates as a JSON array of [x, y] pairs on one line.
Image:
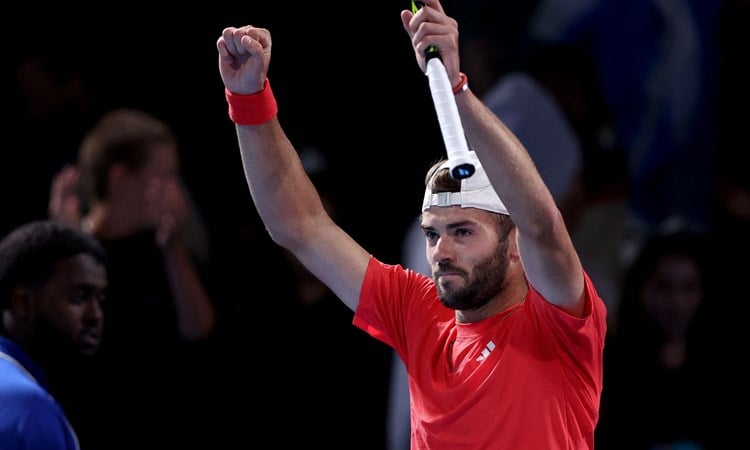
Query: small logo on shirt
[[486, 352]]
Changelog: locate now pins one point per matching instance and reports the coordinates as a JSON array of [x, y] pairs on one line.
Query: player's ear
[[513, 253]]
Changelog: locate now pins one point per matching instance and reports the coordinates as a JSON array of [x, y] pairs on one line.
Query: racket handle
[[459, 161]]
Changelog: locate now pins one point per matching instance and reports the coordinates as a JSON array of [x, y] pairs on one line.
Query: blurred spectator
[[53, 280], [658, 62], [126, 190], [661, 363]]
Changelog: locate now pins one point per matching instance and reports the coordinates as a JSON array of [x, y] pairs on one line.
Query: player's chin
[[446, 288], [450, 282]]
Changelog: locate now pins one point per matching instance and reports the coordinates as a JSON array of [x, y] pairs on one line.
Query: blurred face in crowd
[[153, 191], [672, 294]]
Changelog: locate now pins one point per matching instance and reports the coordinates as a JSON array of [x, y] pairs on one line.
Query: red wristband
[[252, 109], [462, 84]]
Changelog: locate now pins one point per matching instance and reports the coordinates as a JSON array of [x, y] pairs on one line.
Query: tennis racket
[[456, 146]]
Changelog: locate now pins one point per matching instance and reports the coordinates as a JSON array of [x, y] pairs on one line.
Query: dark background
[[345, 79]]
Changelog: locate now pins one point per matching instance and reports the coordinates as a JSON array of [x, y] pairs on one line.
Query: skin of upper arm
[[552, 266], [336, 259]]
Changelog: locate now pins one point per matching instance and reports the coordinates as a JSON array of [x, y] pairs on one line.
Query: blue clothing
[[30, 418]]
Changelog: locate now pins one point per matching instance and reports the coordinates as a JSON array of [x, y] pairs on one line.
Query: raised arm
[[550, 261], [284, 196]]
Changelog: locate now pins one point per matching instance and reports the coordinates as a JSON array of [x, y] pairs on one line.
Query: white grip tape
[[447, 112]]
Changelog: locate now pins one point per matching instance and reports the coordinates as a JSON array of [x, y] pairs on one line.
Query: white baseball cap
[[476, 192]]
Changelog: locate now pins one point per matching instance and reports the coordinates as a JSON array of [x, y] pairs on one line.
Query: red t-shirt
[[529, 378]]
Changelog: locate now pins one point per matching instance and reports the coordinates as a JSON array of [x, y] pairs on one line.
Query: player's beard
[[486, 282]]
